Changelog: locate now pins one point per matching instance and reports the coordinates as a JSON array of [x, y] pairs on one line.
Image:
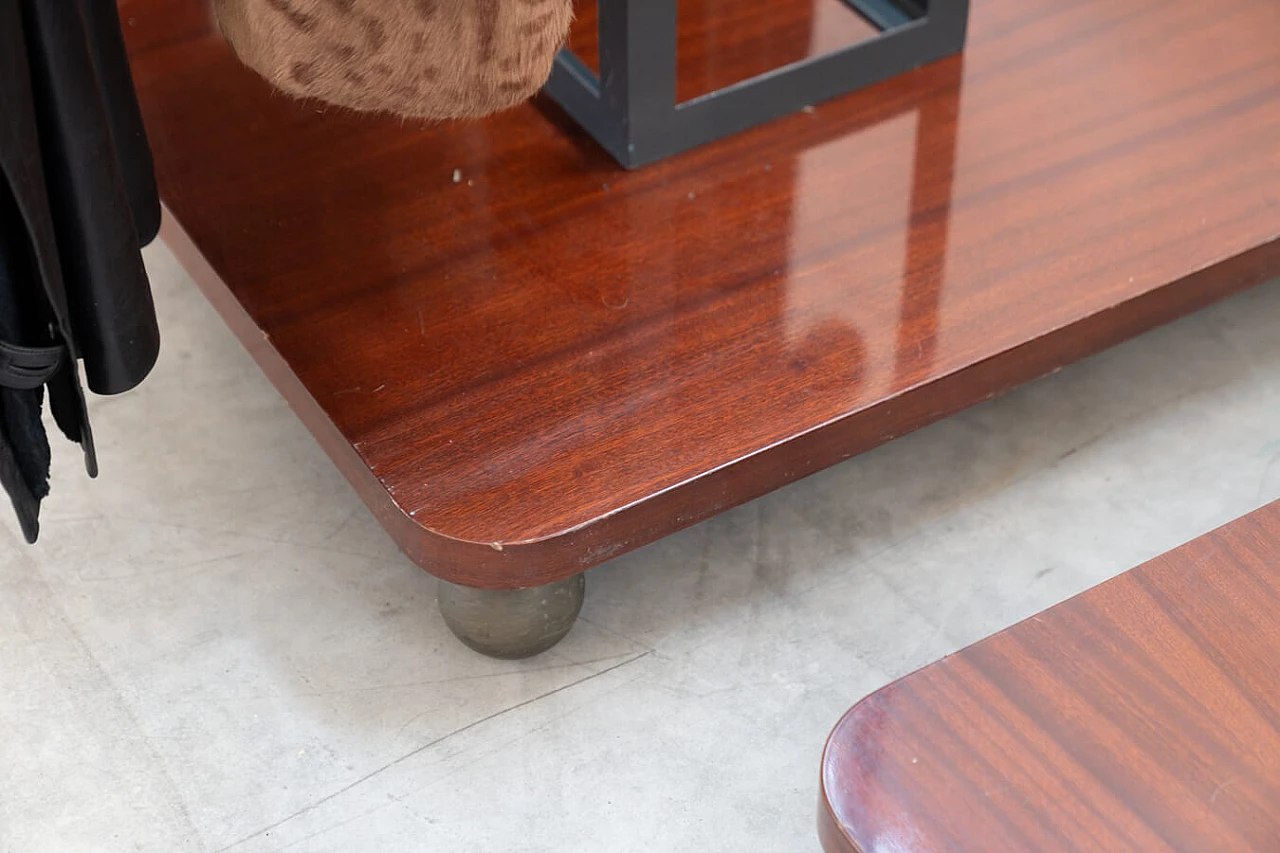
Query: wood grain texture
[[1142, 715], [551, 362]]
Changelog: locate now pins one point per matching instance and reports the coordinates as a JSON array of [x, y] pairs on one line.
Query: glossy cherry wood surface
[[1142, 715], [550, 361]]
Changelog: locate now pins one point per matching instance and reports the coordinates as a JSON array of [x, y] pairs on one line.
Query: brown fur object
[[434, 59]]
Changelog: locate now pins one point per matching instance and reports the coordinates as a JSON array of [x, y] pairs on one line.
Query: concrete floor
[[215, 648]]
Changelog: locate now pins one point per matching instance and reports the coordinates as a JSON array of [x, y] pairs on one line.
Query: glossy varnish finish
[[550, 362], [1143, 715]]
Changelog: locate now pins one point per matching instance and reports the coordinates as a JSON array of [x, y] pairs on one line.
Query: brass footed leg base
[[512, 624]]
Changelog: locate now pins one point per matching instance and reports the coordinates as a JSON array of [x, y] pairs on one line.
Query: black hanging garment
[[77, 202]]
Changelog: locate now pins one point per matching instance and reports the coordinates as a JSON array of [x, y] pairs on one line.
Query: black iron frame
[[631, 107]]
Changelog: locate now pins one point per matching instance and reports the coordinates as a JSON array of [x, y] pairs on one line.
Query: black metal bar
[[781, 92], [631, 108], [584, 76], [575, 88], [638, 67], [951, 19], [884, 14]]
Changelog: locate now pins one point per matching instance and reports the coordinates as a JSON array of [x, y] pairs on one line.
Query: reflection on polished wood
[[723, 42], [1143, 715], [551, 362]]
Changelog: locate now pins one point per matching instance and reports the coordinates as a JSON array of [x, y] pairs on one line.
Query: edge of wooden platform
[[840, 836], [522, 564]]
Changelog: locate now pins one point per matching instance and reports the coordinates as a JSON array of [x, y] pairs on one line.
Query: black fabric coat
[[77, 202]]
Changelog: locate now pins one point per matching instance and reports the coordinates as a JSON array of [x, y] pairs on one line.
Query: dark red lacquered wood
[[550, 362], [1142, 715]]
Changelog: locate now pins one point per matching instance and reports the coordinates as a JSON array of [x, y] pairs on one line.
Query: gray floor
[[214, 647]]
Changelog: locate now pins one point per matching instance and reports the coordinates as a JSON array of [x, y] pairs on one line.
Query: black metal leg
[[631, 108], [884, 14]]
